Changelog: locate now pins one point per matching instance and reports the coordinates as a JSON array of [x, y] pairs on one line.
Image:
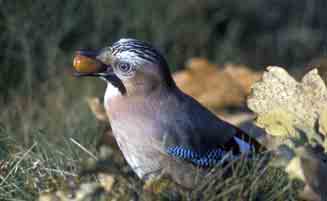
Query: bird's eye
[[124, 67]]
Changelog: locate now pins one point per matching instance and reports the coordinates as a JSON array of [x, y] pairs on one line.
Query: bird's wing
[[197, 135]]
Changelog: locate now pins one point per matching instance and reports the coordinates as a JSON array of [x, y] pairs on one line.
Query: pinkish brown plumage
[[156, 125]]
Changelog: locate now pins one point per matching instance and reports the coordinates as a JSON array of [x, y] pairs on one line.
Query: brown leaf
[[213, 86]]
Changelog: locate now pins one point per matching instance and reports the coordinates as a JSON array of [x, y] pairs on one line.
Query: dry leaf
[[243, 75], [292, 110], [323, 121], [107, 181], [97, 108], [278, 122], [86, 192], [216, 87], [304, 100]]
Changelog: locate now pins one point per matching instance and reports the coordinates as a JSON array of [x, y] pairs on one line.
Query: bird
[[158, 127]]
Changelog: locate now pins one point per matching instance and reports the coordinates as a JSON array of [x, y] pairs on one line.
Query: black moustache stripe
[[115, 81]]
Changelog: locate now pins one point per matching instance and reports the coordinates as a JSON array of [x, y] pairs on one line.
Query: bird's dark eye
[[124, 67]]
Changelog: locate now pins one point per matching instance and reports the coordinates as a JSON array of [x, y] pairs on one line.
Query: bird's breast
[[140, 151], [136, 133]]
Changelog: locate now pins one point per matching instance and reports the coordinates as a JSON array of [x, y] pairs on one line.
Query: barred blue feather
[[209, 159]]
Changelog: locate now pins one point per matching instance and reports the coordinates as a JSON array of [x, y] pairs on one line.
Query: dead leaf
[[292, 110], [278, 122], [243, 75], [304, 100], [323, 121], [214, 86], [97, 108], [107, 181]]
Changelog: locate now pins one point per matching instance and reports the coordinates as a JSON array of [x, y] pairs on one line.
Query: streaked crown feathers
[[134, 48]]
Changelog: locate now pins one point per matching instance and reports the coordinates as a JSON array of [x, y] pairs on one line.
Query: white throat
[[111, 92]]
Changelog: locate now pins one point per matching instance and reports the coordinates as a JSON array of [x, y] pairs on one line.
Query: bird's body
[[157, 126]]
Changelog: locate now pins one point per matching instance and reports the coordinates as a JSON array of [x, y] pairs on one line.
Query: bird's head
[[130, 65]]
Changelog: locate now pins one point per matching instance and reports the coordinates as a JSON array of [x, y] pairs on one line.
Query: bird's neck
[[115, 99]]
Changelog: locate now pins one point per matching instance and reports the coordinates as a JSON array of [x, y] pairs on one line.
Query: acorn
[[84, 64]]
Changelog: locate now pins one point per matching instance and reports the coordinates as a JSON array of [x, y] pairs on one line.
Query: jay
[[157, 126]]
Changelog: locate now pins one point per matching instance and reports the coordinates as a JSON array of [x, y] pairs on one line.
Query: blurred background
[[38, 38], [41, 102]]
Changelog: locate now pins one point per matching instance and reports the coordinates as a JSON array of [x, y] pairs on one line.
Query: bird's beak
[[86, 64]]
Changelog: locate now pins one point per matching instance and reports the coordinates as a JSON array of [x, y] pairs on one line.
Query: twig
[[60, 171], [83, 148]]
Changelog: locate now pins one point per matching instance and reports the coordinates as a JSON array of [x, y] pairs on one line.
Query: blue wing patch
[[211, 158]]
